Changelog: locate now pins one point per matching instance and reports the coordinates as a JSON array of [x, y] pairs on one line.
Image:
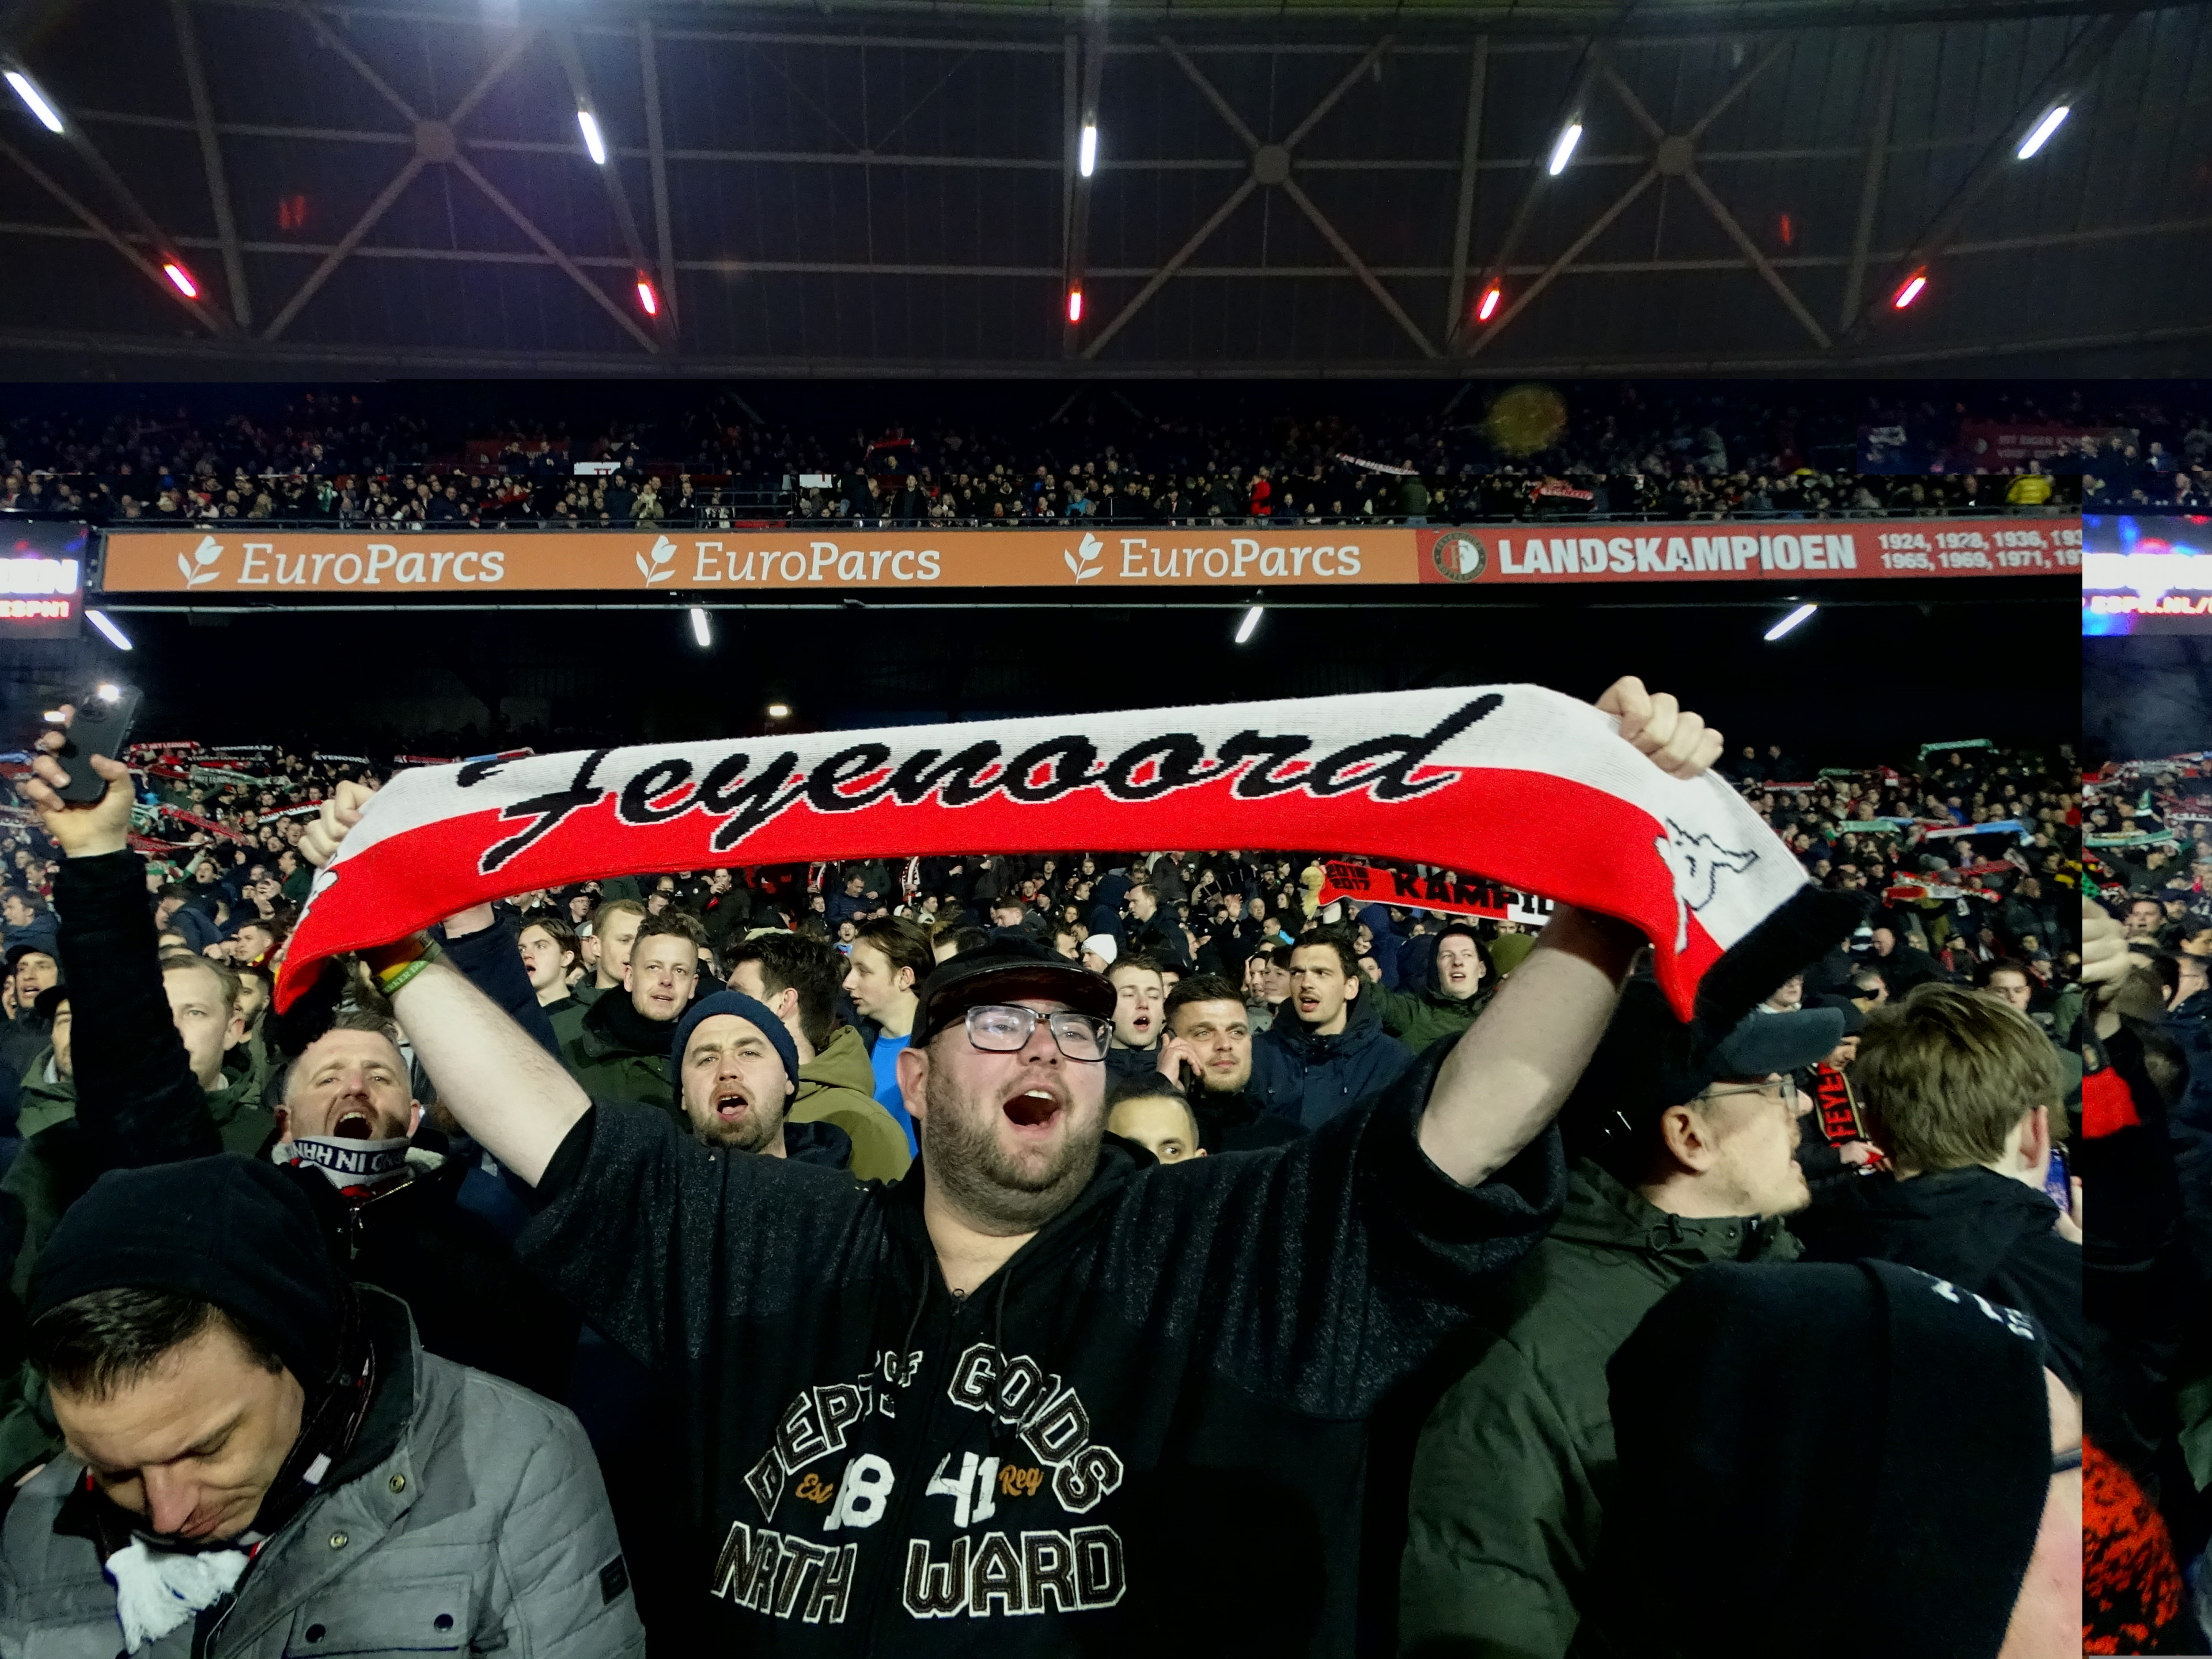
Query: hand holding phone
[[100, 725], [81, 828]]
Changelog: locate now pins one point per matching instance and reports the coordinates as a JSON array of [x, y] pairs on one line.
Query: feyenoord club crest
[[1458, 558]]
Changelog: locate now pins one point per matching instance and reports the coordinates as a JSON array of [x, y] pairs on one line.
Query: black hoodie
[[1983, 1231], [1147, 1430]]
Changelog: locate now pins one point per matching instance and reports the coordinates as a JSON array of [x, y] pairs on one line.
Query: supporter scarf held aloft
[[1522, 786]]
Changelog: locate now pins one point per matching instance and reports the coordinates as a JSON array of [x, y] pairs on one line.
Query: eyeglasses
[[1002, 1028], [1785, 1084]]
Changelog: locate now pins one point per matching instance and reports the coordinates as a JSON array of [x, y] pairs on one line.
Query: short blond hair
[[1948, 1073]]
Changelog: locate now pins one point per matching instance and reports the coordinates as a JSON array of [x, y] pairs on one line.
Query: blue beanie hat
[[744, 1007]]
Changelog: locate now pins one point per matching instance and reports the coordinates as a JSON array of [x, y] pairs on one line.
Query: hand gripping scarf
[[1522, 786]]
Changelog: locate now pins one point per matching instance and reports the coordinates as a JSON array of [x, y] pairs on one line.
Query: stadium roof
[[1288, 188]]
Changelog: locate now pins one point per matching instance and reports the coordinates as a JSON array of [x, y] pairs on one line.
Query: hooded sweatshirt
[[1148, 1428], [837, 1087], [1982, 1230]]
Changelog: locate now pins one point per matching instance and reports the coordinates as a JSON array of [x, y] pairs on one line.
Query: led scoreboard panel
[[42, 580]]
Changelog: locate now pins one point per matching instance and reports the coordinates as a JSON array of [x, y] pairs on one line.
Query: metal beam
[[1358, 267], [100, 227], [546, 245], [1877, 158], [1478, 74], [1567, 256], [2168, 227], [572, 64], [2081, 61], [346, 244], [1368, 60], [1743, 85], [1175, 262], [1229, 117], [657, 157], [338, 44], [225, 227], [216, 355], [1524, 211], [1757, 260]]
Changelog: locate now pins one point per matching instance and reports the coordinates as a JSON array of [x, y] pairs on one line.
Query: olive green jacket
[[837, 1086], [1512, 1467]]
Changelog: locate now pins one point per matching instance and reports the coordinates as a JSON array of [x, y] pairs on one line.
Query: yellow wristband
[[392, 974]]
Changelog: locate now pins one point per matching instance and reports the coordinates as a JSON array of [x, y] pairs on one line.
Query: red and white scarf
[[1522, 786]]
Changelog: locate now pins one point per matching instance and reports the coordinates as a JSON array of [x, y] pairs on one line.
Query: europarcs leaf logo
[[1085, 561], [198, 565]]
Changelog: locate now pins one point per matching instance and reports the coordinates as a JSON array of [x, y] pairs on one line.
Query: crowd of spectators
[[1898, 1107], [2147, 1146], [1666, 453], [2137, 449]]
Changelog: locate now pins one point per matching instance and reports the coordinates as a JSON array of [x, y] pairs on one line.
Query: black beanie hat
[[234, 1231], [1866, 1449]]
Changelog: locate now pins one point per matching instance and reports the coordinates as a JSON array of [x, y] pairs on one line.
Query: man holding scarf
[[1042, 1377]]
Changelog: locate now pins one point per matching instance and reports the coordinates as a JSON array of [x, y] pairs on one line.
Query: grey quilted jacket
[[468, 1517]]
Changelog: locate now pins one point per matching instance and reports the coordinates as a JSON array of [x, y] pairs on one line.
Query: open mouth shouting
[[1034, 1111], [1141, 1022], [1309, 1005], [355, 1123], [731, 1104]]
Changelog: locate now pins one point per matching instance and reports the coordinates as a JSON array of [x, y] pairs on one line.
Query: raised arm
[[516, 1099], [138, 1102], [1508, 1077]]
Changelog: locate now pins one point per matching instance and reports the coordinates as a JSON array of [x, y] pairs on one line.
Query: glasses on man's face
[[1782, 1087], [1003, 1027]]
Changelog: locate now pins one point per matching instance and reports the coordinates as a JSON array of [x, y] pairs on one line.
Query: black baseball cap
[[1003, 970], [1647, 1060]]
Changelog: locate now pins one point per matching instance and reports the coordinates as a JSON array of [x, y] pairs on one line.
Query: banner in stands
[[1524, 786], [1369, 884], [466, 561]]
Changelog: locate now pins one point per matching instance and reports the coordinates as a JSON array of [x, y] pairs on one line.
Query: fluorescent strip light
[[593, 141], [1087, 156], [34, 101], [1791, 622], [701, 630], [116, 636], [1251, 622], [1564, 148], [2043, 129]]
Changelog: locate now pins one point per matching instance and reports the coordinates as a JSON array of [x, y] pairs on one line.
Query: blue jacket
[[1310, 1080], [1388, 946]]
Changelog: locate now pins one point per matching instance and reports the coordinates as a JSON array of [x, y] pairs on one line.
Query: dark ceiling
[[398, 189]]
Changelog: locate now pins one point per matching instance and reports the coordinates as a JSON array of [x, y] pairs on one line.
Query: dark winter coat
[[1512, 1474], [1310, 1079]]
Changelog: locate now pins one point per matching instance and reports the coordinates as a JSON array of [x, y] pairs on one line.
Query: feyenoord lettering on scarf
[[1522, 786]]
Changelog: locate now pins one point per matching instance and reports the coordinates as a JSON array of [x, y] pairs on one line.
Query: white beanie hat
[[1102, 946]]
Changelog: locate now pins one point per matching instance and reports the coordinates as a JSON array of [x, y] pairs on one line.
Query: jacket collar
[[1603, 1211]]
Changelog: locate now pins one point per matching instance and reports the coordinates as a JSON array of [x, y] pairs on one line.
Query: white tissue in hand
[[156, 1590]]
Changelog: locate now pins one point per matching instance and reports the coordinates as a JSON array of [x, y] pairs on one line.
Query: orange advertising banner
[[470, 562]]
